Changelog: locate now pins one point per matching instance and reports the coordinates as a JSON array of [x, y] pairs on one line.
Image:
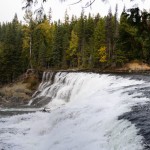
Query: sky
[[8, 8]]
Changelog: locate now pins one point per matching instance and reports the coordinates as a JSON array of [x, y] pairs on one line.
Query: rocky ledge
[[20, 92]]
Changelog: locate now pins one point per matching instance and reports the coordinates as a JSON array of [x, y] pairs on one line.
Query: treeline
[[84, 42]]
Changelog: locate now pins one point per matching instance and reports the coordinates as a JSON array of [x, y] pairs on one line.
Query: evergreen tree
[[72, 51], [99, 40], [109, 35], [57, 49]]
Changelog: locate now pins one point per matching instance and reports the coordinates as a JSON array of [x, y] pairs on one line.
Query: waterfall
[[88, 111], [49, 89]]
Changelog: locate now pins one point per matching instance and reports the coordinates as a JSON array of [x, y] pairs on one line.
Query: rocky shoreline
[[19, 93], [14, 95]]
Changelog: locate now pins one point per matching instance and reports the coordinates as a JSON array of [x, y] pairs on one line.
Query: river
[[85, 111]]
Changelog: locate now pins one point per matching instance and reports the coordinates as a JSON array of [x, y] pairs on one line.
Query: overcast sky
[[9, 7]]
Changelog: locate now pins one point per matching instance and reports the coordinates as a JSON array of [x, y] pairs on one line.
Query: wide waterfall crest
[[62, 86], [57, 89]]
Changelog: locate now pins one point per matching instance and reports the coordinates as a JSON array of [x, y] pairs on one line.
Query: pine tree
[[89, 41], [57, 49], [72, 51], [99, 40], [109, 34], [28, 37], [80, 31], [66, 38]]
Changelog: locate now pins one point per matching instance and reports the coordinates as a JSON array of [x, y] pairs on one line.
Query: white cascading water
[[84, 115]]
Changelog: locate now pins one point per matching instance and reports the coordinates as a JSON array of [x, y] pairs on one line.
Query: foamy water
[[84, 115]]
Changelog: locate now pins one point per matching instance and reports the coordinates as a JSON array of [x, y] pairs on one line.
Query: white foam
[[88, 121]]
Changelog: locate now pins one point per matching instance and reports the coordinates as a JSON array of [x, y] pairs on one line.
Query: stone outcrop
[[20, 92]]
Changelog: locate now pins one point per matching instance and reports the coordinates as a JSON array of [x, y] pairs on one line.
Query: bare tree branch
[[89, 4], [76, 2]]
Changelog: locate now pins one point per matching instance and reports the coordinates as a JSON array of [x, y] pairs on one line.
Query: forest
[[87, 42]]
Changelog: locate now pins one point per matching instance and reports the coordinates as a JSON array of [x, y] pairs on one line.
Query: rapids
[[88, 111]]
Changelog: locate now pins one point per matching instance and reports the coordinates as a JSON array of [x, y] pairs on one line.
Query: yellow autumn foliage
[[102, 54]]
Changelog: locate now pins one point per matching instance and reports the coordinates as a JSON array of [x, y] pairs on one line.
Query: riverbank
[[19, 92], [133, 67]]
